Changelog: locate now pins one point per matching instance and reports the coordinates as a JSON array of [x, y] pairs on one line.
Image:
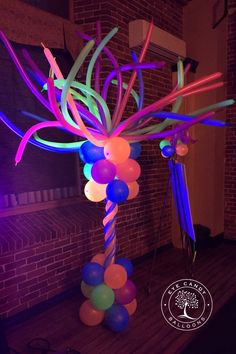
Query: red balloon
[[128, 171], [89, 315]]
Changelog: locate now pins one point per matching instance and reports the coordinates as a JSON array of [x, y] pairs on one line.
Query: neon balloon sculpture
[[109, 146]]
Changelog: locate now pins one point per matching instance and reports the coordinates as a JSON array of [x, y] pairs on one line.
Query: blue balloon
[[127, 264], [92, 273], [116, 318], [91, 153], [81, 155], [135, 150], [168, 150], [117, 191]]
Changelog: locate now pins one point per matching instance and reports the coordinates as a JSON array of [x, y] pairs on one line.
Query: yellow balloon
[[94, 191], [117, 149], [86, 289]]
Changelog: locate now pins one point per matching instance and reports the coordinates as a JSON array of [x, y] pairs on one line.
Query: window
[[56, 7]]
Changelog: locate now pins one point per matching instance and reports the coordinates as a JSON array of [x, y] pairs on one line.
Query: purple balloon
[[103, 171], [126, 294]]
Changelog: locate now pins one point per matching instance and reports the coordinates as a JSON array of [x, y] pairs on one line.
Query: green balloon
[[102, 297], [87, 170], [163, 143], [86, 289]]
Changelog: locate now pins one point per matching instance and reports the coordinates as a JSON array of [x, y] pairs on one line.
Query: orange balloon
[[131, 307], [89, 315], [128, 171], [181, 149], [95, 192], [133, 190], [115, 276], [99, 258], [117, 149]]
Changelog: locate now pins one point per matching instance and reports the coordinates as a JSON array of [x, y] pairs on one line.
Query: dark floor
[[148, 332]]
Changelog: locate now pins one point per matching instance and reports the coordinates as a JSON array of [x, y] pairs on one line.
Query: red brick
[[24, 254], [25, 269], [43, 248], [7, 275], [54, 265], [45, 262], [15, 264], [36, 273], [54, 252], [6, 259], [36, 258], [27, 283], [29, 297], [15, 280]]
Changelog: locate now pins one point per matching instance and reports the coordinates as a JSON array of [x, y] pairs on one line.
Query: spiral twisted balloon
[[110, 232]]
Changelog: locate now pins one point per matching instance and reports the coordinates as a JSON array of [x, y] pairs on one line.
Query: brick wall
[[230, 148], [40, 261], [46, 260]]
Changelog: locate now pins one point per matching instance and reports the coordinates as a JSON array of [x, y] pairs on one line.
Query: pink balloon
[[128, 171]]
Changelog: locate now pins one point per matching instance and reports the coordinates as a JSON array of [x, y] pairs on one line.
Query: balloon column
[[109, 148]]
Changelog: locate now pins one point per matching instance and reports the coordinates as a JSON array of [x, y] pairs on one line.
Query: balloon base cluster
[[111, 295]]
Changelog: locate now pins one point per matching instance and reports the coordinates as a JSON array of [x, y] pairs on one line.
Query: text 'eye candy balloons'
[[91, 153], [92, 274], [94, 191], [103, 171], [117, 191], [117, 149], [128, 171]]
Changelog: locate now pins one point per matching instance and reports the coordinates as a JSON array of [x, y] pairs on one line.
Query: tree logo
[[186, 304]]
